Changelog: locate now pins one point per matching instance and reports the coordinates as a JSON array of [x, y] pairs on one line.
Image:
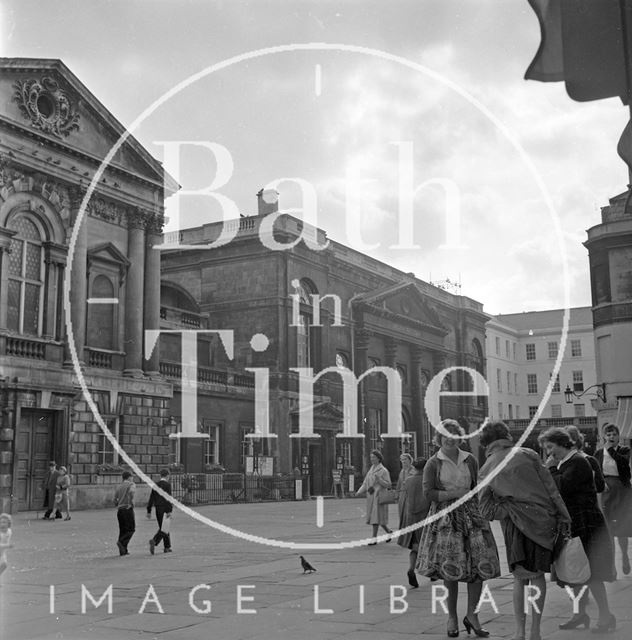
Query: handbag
[[571, 565], [165, 527], [387, 496]]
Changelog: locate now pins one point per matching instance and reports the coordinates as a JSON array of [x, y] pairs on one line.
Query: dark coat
[[156, 500], [50, 485], [621, 456], [576, 485]]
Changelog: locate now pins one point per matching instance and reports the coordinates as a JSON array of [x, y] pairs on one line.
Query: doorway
[[33, 450]]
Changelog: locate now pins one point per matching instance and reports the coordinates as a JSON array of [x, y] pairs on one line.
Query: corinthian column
[[152, 289], [134, 316]]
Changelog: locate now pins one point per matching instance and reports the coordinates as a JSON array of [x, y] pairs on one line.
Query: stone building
[[609, 247], [53, 136], [317, 309]]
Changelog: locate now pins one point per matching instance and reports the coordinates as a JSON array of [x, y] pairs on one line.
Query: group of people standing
[[56, 492], [538, 506]]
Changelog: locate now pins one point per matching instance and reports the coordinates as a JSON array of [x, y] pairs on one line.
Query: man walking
[[163, 513], [124, 500], [50, 487]]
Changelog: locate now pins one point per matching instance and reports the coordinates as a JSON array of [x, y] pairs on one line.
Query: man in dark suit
[[163, 513], [614, 460], [50, 487]]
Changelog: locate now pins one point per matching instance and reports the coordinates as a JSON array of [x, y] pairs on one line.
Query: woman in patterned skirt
[[459, 545]]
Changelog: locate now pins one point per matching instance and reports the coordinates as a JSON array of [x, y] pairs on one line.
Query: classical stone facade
[[53, 136], [317, 309], [609, 247]]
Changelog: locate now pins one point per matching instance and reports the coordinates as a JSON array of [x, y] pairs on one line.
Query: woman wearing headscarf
[[376, 480], [524, 497], [414, 509]]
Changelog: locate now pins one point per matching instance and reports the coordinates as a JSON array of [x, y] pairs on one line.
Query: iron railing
[[209, 488]]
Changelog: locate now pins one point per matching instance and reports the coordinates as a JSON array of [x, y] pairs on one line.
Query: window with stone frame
[[345, 450], [532, 411], [552, 348], [26, 276], [101, 318], [576, 348], [556, 411], [556, 384], [530, 351], [532, 383], [214, 429], [307, 335], [106, 453], [578, 380], [579, 410]]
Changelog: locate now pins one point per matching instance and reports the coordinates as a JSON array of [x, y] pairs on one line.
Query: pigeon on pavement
[[307, 567]]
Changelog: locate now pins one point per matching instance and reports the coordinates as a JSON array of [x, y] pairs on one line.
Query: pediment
[[107, 252], [50, 102], [405, 300], [323, 412]]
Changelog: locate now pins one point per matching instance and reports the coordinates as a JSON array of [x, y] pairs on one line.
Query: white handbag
[[571, 565]]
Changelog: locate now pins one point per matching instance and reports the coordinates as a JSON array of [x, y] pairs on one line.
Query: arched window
[[306, 335], [25, 277], [101, 317]]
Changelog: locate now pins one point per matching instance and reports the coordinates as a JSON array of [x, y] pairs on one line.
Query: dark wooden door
[[34, 445], [316, 469]]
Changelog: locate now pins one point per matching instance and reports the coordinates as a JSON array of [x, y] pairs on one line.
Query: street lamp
[[600, 392]]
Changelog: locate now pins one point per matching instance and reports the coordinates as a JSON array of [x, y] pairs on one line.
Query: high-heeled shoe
[[480, 632], [453, 633], [576, 621], [605, 627], [412, 579], [67, 518], [625, 566]]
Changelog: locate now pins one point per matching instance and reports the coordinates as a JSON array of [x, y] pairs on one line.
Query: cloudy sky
[[429, 80]]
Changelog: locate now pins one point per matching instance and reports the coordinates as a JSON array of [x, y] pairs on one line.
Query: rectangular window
[[514, 350], [556, 411], [516, 382], [517, 412], [499, 383], [576, 348], [106, 453], [500, 410], [580, 410], [211, 446], [552, 348], [497, 346], [303, 341], [556, 384], [530, 351], [532, 383], [507, 349], [578, 380], [508, 382], [510, 411], [345, 452], [408, 443], [532, 411]]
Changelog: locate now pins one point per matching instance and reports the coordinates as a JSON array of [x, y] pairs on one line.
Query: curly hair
[[378, 454], [493, 431], [452, 427], [556, 435], [576, 436]]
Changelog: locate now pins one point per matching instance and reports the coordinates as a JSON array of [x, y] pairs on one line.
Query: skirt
[[459, 546], [525, 557], [617, 507]]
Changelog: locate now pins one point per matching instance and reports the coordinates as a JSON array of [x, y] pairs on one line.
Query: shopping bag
[[165, 527], [387, 496], [571, 565]]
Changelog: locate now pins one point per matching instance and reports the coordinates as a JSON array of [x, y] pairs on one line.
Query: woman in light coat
[[376, 480]]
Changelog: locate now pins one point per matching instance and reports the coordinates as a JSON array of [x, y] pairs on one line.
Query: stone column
[[134, 316], [390, 352], [55, 259], [416, 358], [151, 366], [78, 281], [5, 247], [361, 363]]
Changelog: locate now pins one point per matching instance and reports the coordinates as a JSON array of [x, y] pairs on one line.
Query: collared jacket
[[156, 500], [524, 491], [621, 456]]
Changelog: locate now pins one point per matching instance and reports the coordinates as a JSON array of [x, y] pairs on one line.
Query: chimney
[[267, 201]]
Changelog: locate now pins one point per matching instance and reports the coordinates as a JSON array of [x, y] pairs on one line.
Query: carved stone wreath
[[46, 106]]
